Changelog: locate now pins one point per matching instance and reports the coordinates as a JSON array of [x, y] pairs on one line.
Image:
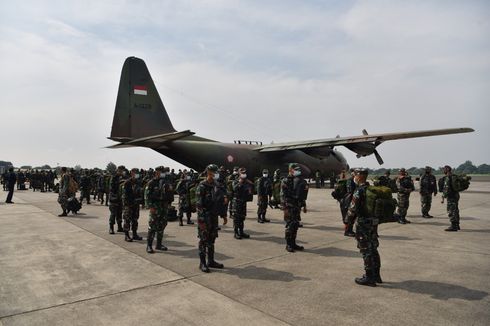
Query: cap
[[361, 171], [135, 170], [265, 171], [294, 166], [159, 168], [121, 167], [402, 170], [242, 170], [447, 167], [235, 168], [428, 168], [212, 168]]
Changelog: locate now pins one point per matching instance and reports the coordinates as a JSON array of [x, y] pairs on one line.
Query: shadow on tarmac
[[262, 273], [439, 291], [334, 252], [396, 237]]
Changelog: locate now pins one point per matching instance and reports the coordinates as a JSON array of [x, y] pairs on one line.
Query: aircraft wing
[[362, 145], [152, 141]]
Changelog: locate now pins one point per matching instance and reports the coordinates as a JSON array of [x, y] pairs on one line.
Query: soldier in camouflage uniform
[[85, 187], [242, 189], [131, 206], [183, 190], [155, 202], [64, 191], [428, 186], [115, 203], [208, 203], [345, 202], [229, 186], [405, 186], [366, 231], [293, 196], [264, 193], [452, 198]]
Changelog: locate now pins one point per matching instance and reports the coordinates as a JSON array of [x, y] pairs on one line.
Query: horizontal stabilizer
[[153, 141]]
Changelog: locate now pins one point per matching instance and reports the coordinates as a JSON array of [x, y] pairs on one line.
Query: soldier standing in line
[[366, 231], [384, 180], [405, 186], [208, 204], [115, 203], [183, 190], [85, 187], [452, 198], [276, 188], [10, 179], [155, 202], [131, 206], [345, 202], [264, 193], [242, 189], [229, 186], [293, 197], [428, 186], [64, 191]]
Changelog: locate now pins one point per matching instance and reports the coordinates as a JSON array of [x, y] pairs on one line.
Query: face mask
[[136, 176], [235, 172], [297, 173], [265, 175], [243, 176], [216, 175], [188, 177]]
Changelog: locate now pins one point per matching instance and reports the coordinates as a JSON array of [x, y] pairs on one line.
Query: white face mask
[[265, 175], [136, 176], [235, 172], [188, 177], [243, 176], [216, 175], [297, 173]]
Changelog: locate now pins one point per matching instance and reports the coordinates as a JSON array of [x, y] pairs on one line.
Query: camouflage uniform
[[115, 204], [64, 193], [241, 190], [452, 199], [366, 235], [405, 186], [264, 192], [428, 187], [344, 207], [183, 190], [208, 204], [293, 197], [155, 202], [131, 208], [85, 187]]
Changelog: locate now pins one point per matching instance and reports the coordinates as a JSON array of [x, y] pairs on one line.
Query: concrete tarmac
[[70, 271]]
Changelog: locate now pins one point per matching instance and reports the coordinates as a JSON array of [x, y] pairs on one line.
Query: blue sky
[[261, 70]]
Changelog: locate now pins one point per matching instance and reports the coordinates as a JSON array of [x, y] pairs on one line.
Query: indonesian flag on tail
[[140, 90]]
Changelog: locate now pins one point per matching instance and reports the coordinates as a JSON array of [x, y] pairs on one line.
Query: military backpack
[[340, 189], [380, 204], [460, 182]]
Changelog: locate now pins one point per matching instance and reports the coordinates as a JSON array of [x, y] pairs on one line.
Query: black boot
[[457, 225], [377, 276], [159, 245], [348, 231], [202, 265], [296, 246], [111, 229], [136, 236], [260, 219], [243, 234], [452, 228], [127, 238], [289, 245], [63, 214], [237, 234], [366, 279], [189, 221], [181, 223], [211, 262], [149, 246], [119, 227]]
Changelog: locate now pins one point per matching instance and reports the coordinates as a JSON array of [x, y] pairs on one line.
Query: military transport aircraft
[[140, 119]]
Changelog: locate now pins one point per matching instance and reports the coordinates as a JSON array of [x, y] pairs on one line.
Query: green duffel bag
[[460, 182]]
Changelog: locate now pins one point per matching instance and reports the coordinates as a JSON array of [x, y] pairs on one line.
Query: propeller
[[375, 152], [378, 157]]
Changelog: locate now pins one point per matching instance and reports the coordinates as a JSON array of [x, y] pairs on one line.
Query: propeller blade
[[378, 157]]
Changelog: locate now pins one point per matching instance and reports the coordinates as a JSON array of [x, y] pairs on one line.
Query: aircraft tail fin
[[139, 110]]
